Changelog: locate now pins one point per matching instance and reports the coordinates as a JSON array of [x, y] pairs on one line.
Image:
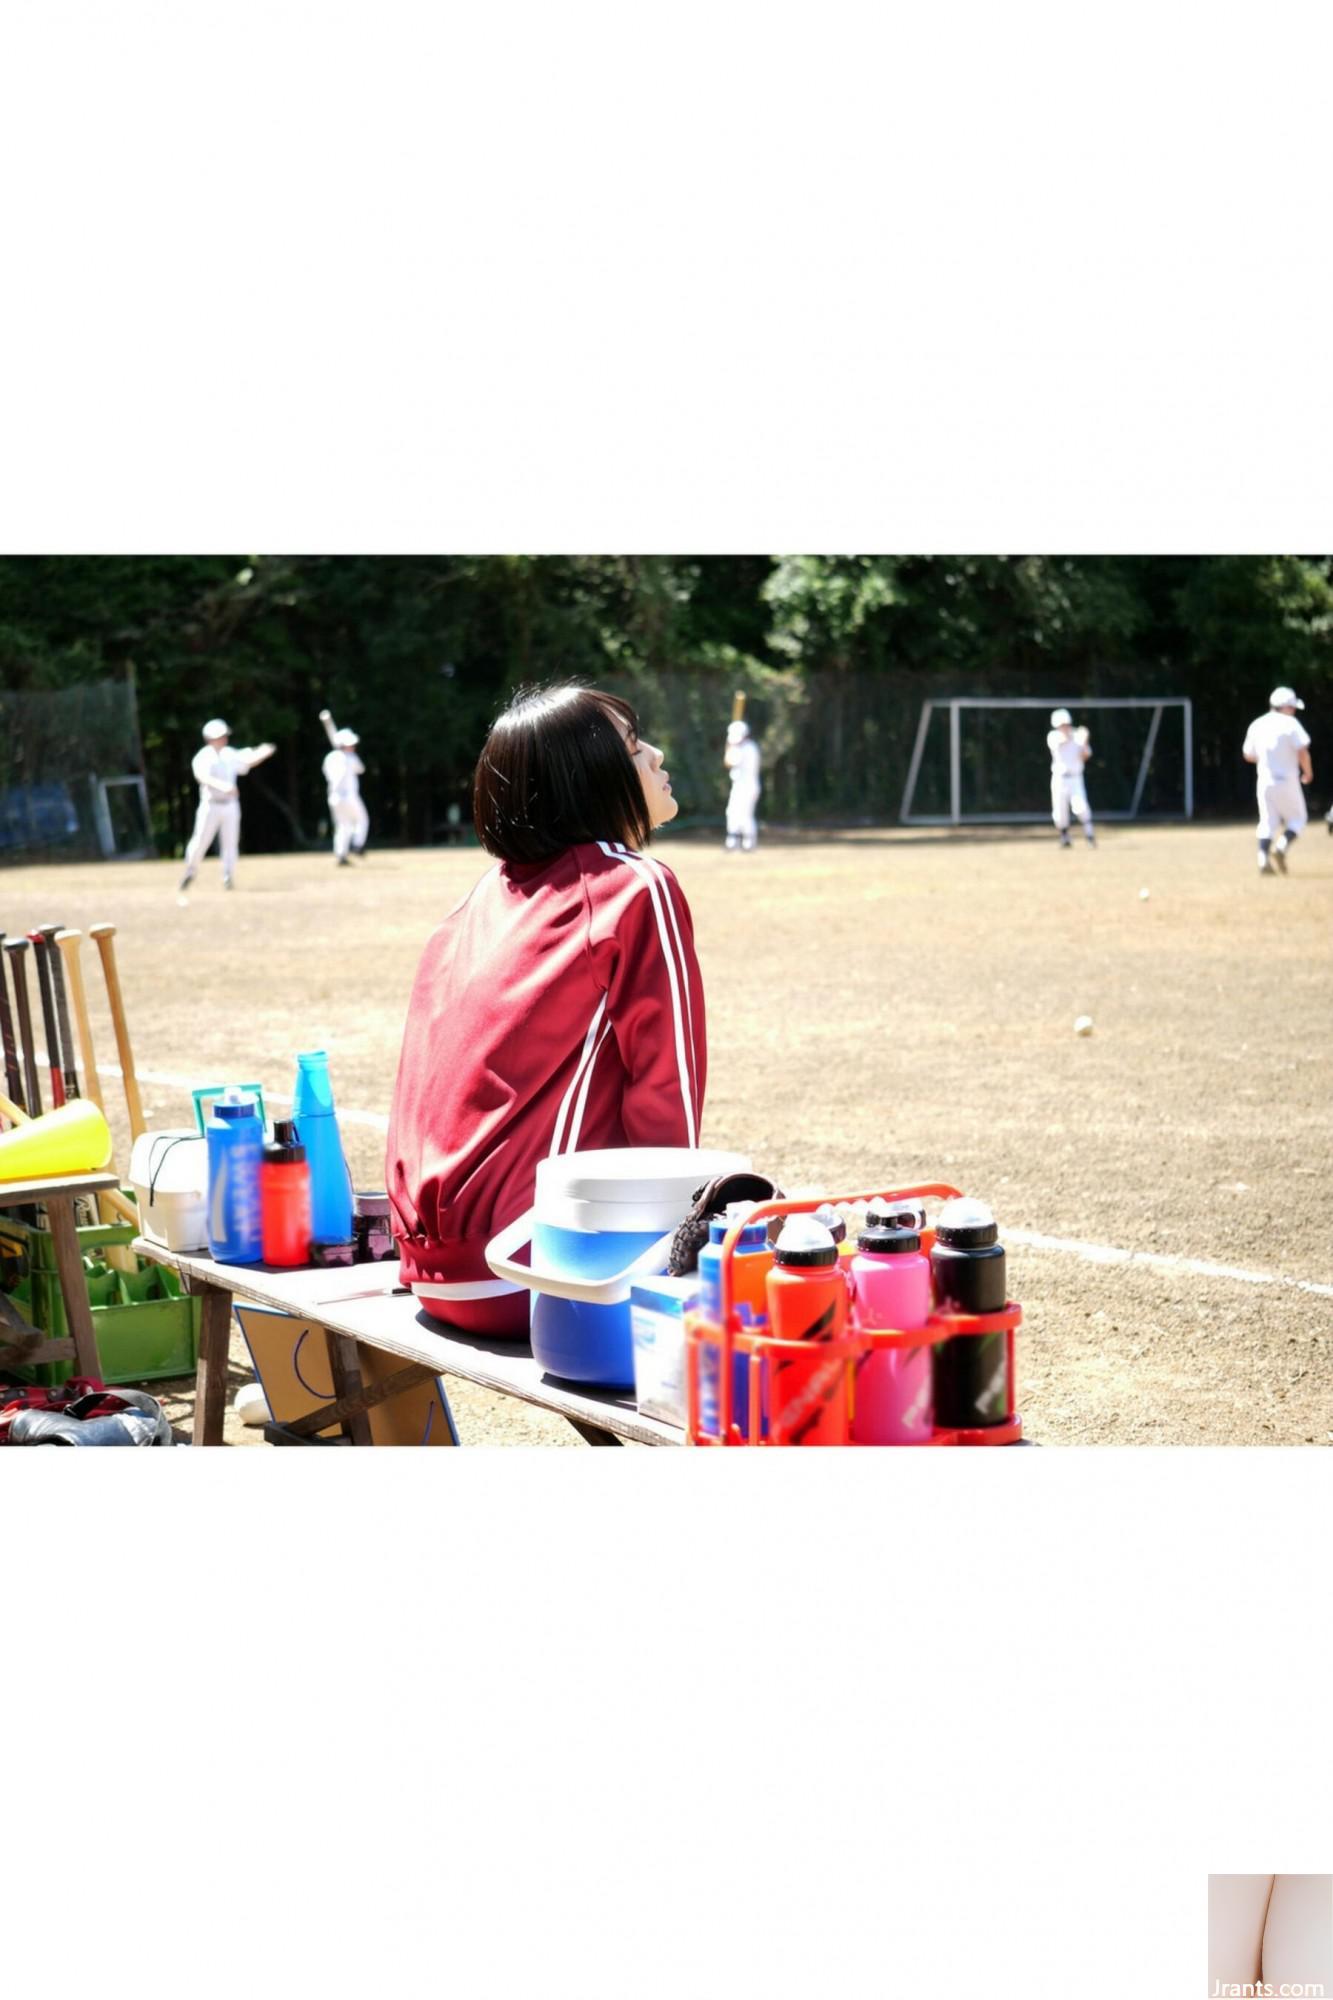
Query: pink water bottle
[[890, 1280]]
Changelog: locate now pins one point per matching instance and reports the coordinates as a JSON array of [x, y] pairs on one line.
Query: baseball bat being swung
[[738, 705], [32, 1094], [104, 935]]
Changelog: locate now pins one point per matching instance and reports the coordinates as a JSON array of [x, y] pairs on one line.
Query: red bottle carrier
[[838, 1377]]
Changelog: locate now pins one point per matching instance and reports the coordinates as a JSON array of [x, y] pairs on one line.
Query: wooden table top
[[367, 1302], [17, 1194]]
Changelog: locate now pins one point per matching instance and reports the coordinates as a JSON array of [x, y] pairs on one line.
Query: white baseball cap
[[737, 732], [1061, 718], [346, 739], [1284, 698], [217, 727]]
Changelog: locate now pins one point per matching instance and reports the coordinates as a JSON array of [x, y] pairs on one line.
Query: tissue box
[[657, 1309]]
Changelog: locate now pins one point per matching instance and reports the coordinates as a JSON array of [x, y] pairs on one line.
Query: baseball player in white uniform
[[741, 758], [342, 775], [216, 768], [1070, 750], [1278, 744]]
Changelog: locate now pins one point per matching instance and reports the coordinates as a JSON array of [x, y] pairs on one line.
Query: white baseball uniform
[[351, 821], [216, 768], [1068, 793], [742, 761], [1275, 740]]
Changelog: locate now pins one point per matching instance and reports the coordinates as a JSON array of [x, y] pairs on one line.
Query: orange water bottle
[[809, 1399]]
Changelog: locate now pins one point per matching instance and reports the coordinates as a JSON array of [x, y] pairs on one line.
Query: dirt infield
[[885, 1007]]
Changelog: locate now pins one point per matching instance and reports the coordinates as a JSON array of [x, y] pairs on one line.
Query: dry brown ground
[[884, 1007]]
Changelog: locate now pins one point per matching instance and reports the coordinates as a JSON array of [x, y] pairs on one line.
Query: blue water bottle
[[235, 1138], [331, 1200]]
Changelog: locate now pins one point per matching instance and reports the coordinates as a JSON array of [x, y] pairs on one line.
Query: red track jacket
[[558, 1009]]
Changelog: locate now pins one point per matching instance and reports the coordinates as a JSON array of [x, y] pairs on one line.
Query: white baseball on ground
[[251, 1404], [1143, 895], [1083, 1025]]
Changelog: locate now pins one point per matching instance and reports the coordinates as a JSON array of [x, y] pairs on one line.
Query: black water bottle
[[967, 1269]]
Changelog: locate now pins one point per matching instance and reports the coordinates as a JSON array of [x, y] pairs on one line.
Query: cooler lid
[[635, 1174]]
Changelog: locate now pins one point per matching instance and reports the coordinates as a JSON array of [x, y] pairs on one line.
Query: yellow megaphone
[[75, 1139]]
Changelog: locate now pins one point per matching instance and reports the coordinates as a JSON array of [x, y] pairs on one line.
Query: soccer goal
[[982, 760]]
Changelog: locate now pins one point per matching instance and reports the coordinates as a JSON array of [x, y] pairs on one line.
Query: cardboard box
[[657, 1309]]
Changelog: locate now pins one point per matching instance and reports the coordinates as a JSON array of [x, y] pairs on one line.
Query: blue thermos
[[235, 1136], [331, 1200]]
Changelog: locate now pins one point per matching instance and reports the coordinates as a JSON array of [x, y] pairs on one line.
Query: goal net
[[982, 760]]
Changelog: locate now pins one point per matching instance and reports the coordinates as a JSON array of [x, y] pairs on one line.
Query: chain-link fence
[[837, 748], [71, 776]]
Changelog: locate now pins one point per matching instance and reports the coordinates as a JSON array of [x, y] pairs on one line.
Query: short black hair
[[555, 771]]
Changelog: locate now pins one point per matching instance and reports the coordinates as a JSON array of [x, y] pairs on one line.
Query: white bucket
[[598, 1222], [169, 1175]]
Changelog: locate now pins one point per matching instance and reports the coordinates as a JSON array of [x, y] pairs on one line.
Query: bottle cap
[[881, 1242], [894, 1215], [965, 1224], [835, 1224], [753, 1236], [331, 1255], [805, 1241], [286, 1150], [234, 1103]]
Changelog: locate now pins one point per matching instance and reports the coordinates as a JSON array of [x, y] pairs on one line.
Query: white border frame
[[956, 817]]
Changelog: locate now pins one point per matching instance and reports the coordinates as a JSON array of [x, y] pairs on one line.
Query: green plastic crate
[[147, 1328]]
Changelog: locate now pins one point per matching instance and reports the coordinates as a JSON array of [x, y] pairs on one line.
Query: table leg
[[591, 1434], [210, 1378], [73, 1286], [345, 1367]]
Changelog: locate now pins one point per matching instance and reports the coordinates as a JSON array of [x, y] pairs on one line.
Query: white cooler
[[169, 1174]]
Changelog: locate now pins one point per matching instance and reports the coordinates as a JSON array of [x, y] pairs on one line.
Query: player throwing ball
[[216, 769], [1278, 744], [343, 771], [741, 758], [1070, 750]]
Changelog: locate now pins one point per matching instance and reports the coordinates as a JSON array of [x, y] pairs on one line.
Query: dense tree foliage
[[418, 652]]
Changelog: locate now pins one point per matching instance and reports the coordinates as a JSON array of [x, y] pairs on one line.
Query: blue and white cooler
[[598, 1222]]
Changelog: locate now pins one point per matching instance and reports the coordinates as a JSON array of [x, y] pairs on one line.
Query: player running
[[343, 771], [216, 768], [1278, 744], [1070, 750]]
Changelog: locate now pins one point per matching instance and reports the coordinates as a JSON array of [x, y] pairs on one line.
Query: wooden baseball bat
[[123, 1207], [32, 1093], [111, 1204], [67, 943], [13, 1080], [738, 705], [38, 943], [104, 934], [55, 961]]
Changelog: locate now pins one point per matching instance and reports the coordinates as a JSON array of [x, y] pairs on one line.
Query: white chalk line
[[1027, 1239], [376, 1120], [1155, 1260]]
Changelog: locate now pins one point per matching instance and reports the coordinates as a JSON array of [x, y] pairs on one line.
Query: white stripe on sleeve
[[585, 1059], [650, 861], [682, 1062]]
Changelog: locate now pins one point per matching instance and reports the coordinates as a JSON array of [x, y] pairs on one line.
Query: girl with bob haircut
[[557, 1009]]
